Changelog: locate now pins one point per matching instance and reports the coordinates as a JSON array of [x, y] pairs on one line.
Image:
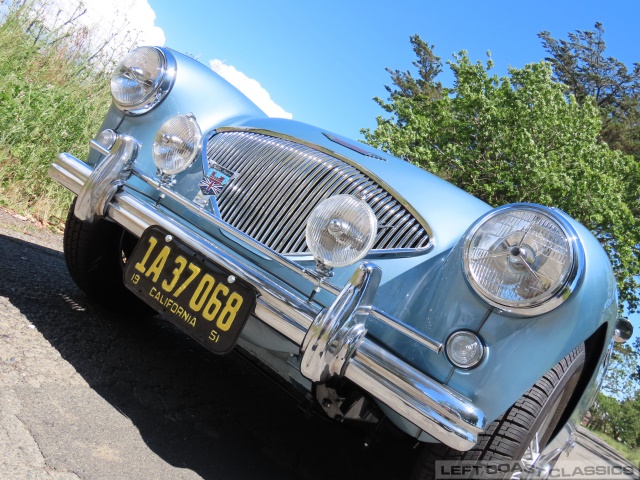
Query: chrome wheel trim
[[532, 462]]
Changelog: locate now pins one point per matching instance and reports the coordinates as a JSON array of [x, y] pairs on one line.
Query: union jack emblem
[[213, 184]]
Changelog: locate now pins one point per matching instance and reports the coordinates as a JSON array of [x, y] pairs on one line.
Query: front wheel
[[95, 254], [517, 438]]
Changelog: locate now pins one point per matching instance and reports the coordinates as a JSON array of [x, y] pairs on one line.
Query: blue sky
[[323, 62]]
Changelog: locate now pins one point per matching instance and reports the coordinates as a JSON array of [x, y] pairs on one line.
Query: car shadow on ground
[[214, 415]]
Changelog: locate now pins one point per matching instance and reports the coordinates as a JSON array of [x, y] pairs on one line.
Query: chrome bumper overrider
[[332, 340]]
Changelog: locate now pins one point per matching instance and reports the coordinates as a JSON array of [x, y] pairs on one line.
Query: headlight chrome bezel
[[557, 294], [162, 85]]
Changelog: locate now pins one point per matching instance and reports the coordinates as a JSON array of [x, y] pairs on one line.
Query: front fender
[[522, 350]]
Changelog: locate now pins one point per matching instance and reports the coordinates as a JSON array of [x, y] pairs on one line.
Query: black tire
[[508, 439], [95, 254]]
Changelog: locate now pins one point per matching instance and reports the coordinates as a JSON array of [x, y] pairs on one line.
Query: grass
[[631, 454], [49, 102]]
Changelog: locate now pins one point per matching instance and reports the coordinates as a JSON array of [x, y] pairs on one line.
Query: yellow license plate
[[195, 294]]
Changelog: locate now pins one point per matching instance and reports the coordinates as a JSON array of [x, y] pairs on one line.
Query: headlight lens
[[176, 144], [341, 230], [524, 259], [142, 79]]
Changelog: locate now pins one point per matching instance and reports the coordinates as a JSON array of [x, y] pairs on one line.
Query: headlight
[[142, 79], [341, 230], [524, 259], [176, 144]]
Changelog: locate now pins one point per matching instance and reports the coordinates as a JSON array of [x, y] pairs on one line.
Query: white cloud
[[137, 15], [111, 28], [250, 87]]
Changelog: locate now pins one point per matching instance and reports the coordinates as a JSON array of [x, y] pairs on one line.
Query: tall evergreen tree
[[580, 63]]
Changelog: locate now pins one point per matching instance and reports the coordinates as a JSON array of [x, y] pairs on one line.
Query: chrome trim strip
[[433, 407], [353, 147], [406, 330], [392, 192]]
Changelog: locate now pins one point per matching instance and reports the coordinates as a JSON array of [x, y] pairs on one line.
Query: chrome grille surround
[[281, 179]]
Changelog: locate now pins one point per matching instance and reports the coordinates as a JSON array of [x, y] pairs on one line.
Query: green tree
[[630, 426], [590, 76], [606, 415], [621, 420], [518, 138], [621, 378]]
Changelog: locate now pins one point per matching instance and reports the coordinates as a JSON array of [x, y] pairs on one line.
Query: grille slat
[[279, 182], [250, 186], [292, 202], [259, 214], [414, 235]]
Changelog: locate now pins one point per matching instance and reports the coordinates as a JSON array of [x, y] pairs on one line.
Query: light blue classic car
[[375, 287]]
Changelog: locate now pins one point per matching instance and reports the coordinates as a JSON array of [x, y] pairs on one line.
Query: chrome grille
[[279, 182]]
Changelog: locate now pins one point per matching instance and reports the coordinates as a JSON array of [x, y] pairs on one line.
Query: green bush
[[49, 102]]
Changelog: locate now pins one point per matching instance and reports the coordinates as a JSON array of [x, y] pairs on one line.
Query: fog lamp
[[464, 349], [142, 79], [176, 144], [523, 259], [341, 230]]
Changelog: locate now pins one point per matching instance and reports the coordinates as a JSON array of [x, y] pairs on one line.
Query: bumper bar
[[433, 407]]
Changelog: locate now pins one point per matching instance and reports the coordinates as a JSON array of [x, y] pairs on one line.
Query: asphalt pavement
[[593, 458]]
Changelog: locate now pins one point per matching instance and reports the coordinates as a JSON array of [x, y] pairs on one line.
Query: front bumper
[[332, 340]]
